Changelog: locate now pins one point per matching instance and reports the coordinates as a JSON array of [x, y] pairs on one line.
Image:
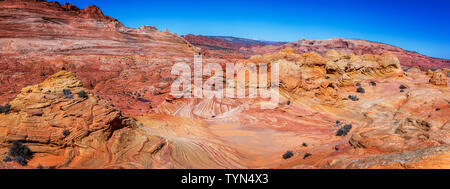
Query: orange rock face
[[52, 117], [40, 113], [360, 47], [439, 78], [113, 61], [219, 48], [399, 121], [343, 103]]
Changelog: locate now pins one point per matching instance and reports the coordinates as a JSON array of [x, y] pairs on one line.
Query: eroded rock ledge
[[63, 123]]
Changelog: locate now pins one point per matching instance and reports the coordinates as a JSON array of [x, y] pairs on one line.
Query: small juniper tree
[[20, 153], [82, 94], [361, 90], [338, 123], [67, 94], [66, 133], [5, 109], [288, 155], [353, 97], [344, 130], [307, 155]]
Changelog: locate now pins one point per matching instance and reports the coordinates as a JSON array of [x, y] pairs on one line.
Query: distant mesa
[[148, 28], [227, 47], [112, 99]]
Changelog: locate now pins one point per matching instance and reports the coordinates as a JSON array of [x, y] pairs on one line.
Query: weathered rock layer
[[343, 103], [38, 38]]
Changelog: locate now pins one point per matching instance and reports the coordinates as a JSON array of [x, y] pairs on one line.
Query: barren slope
[[115, 62]]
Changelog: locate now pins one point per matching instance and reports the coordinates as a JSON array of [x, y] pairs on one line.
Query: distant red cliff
[[407, 59], [128, 66], [217, 46]]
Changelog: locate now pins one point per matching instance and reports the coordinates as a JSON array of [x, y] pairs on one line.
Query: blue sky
[[416, 25]]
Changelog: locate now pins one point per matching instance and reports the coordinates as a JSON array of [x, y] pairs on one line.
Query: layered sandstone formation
[[388, 129], [407, 59], [304, 72], [129, 67], [439, 78], [398, 119], [58, 124], [69, 130], [226, 49], [343, 103]]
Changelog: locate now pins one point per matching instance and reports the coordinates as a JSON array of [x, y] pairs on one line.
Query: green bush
[[5, 109], [67, 94], [353, 97], [66, 133], [344, 130], [288, 155], [361, 90], [82, 94], [307, 155], [19, 153]]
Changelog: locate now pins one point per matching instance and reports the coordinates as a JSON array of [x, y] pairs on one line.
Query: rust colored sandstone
[[84, 91]]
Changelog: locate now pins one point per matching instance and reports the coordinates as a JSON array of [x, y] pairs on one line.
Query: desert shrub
[[143, 100], [18, 149], [372, 83], [307, 155], [45, 167], [82, 94], [288, 102], [402, 87], [66, 133], [5, 109], [305, 144], [67, 94], [7, 159], [327, 77], [361, 90], [20, 153], [438, 109], [344, 130], [402, 91], [353, 97], [338, 123], [20, 160], [288, 155], [358, 84]]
